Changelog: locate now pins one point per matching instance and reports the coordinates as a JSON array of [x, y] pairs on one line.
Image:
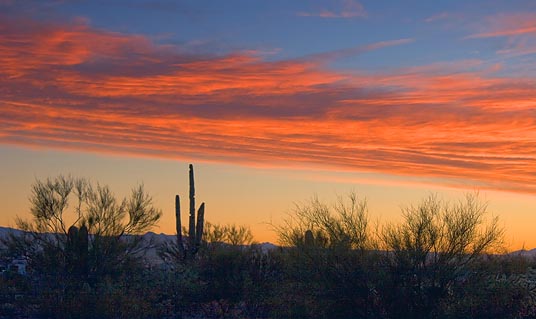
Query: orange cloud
[[73, 87]]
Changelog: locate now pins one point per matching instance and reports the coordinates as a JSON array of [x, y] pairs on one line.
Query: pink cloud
[[437, 17], [348, 9], [348, 52], [506, 25]]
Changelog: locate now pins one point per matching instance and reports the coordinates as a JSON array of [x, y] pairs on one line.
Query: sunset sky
[[273, 101]]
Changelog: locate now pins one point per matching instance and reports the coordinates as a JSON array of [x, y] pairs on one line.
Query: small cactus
[[309, 239], [77, 251]]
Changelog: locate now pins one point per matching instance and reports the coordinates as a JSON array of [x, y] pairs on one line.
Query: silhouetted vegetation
[[182, 249], [82, 246], [86, 259]]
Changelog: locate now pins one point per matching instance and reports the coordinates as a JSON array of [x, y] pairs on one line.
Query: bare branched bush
[[57, 204], [331, 260], [230, 234], [431, 250], [440, 233], [214, 233], [343, 225]]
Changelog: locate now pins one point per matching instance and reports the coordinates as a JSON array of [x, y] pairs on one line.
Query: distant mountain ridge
[[524, 253], [149, 237], [161, 239], [4, 231]]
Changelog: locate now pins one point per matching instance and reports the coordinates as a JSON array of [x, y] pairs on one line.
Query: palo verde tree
[[82, 247], [231, 234], [432, 250], [73, 221], [330, 259], [344, 225]]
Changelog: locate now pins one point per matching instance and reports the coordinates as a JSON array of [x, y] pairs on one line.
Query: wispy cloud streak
[[71, 86], [349, 9], [348, 52], [506, 25]]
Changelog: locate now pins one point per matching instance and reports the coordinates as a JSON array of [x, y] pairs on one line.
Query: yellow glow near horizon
[[248, 196]]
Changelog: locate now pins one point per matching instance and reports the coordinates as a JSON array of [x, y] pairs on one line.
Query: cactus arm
[[178, 226], [200, 225]]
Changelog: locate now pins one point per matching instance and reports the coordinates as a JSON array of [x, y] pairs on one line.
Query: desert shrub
[[81, 239], [432, 250], [330, 261]]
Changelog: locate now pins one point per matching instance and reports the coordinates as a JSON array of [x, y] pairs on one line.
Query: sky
[[273, 102]]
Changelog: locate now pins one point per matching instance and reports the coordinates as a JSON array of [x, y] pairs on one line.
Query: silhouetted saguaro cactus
[[191, 231], [195, 228]]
